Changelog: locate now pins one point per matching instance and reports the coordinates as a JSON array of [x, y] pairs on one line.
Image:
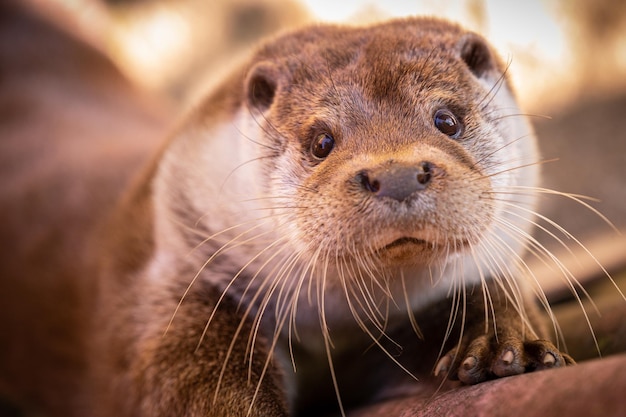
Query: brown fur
[[162, 342]]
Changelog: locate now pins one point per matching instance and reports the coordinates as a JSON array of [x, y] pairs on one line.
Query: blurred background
[[558, 49], [568, 64]]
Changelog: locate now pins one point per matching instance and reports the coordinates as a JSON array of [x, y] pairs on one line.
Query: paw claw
[[509, 363], [469, 363], [443, 365], [508, 357], [549, 360]]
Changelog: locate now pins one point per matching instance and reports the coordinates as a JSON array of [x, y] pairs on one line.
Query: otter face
[[390, 152]]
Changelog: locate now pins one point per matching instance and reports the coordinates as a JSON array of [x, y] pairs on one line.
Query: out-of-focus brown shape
[[72, 132]]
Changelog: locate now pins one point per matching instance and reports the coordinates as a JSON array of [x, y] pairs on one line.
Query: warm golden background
[[559, 50]]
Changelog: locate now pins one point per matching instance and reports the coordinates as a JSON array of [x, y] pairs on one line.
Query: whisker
[[495, 151], [518, 167], [215, 254], [232, 281], [409, 309], [276, 278], [506, 281], [525, 115], [522, 265], [487, 299], [574, 197], [363, 326], [578, 242], [239, 327], [493, 91]]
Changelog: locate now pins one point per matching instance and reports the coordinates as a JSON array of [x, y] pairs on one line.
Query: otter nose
[[396, 181]]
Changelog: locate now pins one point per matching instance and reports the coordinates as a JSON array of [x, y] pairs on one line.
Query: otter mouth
[[405, 241], [408, 242], [409, 250]]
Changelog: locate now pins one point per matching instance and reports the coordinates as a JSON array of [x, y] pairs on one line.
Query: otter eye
[[322, 145], [447, 123]]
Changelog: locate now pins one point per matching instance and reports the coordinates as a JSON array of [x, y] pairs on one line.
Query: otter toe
[[542, 354], [510, 360], [474, 365]]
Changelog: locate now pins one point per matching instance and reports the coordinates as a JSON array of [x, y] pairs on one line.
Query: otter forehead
[[338, 46], [390, 50]]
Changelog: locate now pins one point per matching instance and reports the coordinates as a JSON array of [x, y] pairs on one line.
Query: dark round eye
[[322, 145], [447, 123]]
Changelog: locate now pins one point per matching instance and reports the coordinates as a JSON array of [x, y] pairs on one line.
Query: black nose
[[396, 181]]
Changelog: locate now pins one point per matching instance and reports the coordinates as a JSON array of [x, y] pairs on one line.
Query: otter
[[339, 222], [344, 206]]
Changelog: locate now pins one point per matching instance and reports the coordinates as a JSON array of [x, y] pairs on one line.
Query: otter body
[[340, 221]]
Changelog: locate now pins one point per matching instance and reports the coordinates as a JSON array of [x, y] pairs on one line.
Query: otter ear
[[261, 85], [476, 54]]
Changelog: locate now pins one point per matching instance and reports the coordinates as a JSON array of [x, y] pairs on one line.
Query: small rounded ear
[[261, 85], [476, 54]]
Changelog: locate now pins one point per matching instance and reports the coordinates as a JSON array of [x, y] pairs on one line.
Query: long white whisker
[[409, 308]]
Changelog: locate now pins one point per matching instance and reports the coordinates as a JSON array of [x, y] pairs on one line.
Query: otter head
[[393, 146], [363, 151]]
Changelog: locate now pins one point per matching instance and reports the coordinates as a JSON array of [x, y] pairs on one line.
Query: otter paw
[[485, 358]]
